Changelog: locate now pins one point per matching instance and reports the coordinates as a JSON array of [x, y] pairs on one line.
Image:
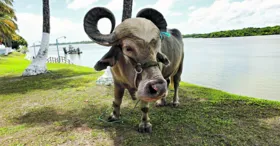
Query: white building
[[2, 49]]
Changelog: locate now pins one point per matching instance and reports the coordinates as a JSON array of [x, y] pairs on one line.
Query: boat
[[72, 50]]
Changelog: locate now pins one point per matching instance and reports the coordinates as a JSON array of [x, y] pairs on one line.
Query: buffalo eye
[[128, 49]]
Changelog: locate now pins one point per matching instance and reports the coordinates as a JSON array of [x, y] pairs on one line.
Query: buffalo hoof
[[145, 128], [161, 103], [176, 104], [113, 118]]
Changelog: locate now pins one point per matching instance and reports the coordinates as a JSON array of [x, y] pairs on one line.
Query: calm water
[[245, 66]]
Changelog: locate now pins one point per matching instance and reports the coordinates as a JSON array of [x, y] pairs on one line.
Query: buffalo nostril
[[153, 89]]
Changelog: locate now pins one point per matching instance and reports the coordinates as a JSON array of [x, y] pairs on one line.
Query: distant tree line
[[251, 31], [18, 41], [68, 43]]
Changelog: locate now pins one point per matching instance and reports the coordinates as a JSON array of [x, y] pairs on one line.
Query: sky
[[189, 16]]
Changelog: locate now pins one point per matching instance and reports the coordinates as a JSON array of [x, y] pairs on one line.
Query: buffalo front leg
[[118, 93], [132, 93], [145, 125]]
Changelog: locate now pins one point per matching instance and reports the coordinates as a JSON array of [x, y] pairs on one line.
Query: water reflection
[[246, 66], [75, 58]]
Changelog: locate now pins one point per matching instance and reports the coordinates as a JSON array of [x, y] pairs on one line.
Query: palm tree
[[38, 65], [8, 25], [127, 9]]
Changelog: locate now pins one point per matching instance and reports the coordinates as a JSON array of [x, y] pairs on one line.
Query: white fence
[[60, 60]]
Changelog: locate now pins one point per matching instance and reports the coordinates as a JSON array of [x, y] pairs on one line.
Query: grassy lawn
[[62, 107]]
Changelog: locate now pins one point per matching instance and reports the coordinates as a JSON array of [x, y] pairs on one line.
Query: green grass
[[62, 108]]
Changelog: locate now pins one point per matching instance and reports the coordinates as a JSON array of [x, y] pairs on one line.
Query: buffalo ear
[[109, 59], [162, 58]]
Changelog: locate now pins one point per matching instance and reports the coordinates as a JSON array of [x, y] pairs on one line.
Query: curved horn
[[155, 16], [90, 25]]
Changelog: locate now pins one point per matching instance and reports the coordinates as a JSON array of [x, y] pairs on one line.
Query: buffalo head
[[137, 41]]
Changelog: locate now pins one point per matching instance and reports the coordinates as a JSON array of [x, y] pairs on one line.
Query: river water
[[247, 66]]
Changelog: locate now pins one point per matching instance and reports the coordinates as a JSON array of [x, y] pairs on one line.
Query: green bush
[[23, 49]]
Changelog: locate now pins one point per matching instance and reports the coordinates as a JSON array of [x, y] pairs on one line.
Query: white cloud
[[117, 5], [104, 25], [52, 1], [164, 6], [221, 15], [29, 6], [79, 4], [30, 26], [191, 8], [226, 14], [176, 14]]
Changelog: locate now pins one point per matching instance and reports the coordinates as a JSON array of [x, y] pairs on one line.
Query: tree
[[39, 64], [8, 25], [15, 42]]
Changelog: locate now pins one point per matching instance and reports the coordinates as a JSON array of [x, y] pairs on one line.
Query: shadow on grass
[[57, 79], [195, 122]]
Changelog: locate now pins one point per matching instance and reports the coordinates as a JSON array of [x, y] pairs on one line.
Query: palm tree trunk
[[127, 9], [38, 65]]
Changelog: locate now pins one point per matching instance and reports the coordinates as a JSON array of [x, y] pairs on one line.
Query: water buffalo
[[144, 58]]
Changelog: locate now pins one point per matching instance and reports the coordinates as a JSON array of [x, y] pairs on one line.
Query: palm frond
[[8, 26], [8, 23], [8, 2], [7, 10]]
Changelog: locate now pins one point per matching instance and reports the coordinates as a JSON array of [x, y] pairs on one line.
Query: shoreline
[[231, 37]]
